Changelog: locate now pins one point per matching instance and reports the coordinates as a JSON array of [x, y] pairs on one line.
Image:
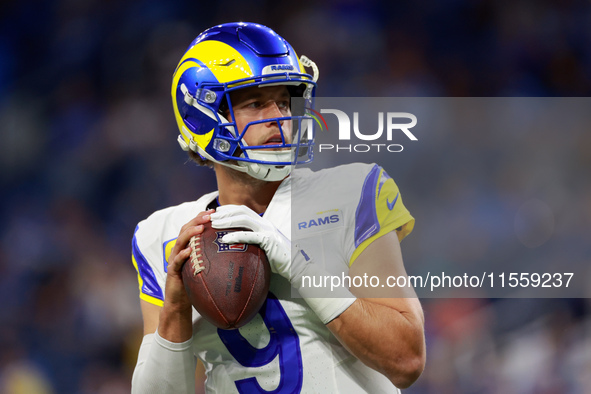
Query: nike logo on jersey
[[391, 204]]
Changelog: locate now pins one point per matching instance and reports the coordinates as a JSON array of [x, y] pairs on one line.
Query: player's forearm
[[175, 323], [389, 341]]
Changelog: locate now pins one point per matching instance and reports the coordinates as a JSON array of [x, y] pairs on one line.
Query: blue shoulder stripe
[[366, 218], [149, 285]]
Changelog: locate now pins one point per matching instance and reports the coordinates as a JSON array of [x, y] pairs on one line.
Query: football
[[227, 284]]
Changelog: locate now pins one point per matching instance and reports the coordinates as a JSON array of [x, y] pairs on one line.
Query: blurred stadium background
[[88, 149]]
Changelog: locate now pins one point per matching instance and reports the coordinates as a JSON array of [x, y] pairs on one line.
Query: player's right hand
[[175, 294]]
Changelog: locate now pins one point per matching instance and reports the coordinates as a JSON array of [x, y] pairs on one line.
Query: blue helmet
[[235, 56]]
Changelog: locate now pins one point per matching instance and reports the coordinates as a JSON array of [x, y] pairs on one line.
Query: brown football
[[227, 284]]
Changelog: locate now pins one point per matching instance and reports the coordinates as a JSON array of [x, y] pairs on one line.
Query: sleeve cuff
[[173, 346]]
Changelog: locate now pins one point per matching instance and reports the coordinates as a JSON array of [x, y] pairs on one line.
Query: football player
[[239, 96]]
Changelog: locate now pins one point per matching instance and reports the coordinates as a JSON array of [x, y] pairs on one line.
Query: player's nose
[[272, 111]]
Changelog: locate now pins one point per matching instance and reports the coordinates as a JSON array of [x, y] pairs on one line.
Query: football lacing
[[196, 260]]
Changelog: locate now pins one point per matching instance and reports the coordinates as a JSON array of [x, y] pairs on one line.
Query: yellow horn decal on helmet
[[202, 140], [175, 80], [225, 62]]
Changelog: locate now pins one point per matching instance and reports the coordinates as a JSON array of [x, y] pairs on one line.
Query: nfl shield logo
[[223, 247]]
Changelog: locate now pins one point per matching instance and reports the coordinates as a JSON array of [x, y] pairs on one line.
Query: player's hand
[[264, 233], [176, 296]]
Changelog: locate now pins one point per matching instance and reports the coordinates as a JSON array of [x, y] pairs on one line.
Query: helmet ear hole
[[223, 108]]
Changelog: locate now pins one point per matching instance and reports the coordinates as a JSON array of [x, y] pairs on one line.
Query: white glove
[[264, 233], [327, 304]]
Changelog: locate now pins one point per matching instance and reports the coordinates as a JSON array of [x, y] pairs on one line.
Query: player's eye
[[283, 105], [253, 104]]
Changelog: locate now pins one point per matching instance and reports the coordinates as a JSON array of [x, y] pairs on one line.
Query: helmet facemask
[[290, 139]]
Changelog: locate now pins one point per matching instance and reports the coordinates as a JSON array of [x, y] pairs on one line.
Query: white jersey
[[335, 213]]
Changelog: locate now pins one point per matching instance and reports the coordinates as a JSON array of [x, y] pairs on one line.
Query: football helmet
[[235, 56]]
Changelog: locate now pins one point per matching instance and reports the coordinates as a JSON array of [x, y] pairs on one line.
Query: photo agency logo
[[361, 136]]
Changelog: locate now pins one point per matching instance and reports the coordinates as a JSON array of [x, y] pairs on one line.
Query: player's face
[[258, 103]]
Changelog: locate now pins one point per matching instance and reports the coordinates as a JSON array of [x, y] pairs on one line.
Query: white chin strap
[[266, 172]]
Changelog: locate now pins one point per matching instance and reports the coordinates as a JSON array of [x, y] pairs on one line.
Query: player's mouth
[[275, 140]]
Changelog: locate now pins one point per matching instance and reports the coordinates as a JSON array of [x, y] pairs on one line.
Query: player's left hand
[[264, 233]]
